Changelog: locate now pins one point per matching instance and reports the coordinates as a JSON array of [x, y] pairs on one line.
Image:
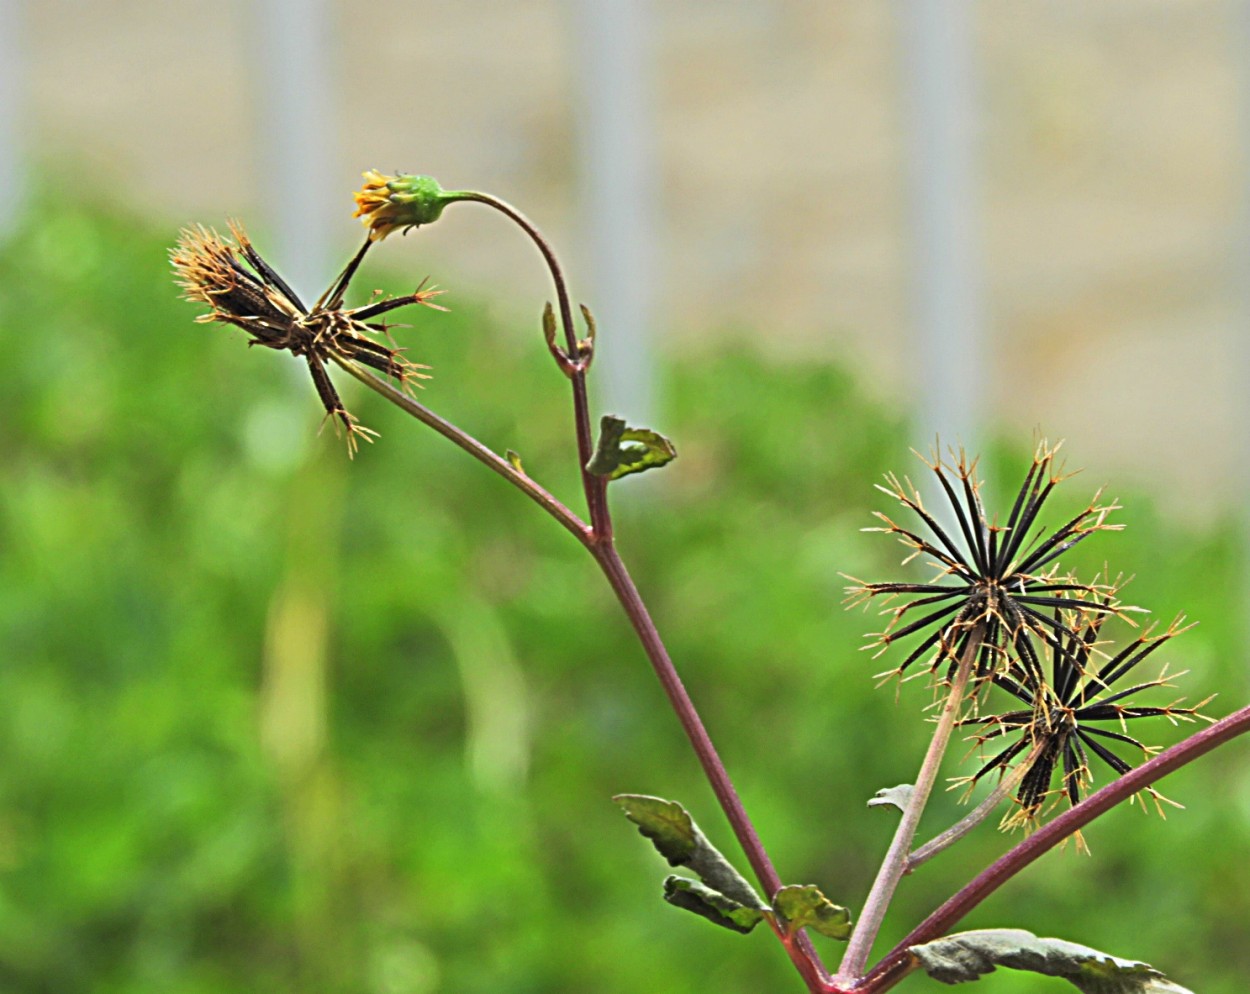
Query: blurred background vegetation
[[277, 721]]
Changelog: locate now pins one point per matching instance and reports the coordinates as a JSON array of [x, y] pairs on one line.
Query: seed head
[[1074, 713], [241, 289], [1004, 578]]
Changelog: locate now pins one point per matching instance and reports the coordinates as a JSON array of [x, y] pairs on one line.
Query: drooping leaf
[[622, 450], [967, 955], [804, 906], [899, 797], [666, 823], [678, 839], [682, 892]]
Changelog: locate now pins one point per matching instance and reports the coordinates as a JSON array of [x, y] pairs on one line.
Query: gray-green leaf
[[804, 906], [682, 892], [967, 955], [622, 450], [899, 797], [673, 832]]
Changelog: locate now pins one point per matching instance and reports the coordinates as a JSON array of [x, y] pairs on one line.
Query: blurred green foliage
[[277, 721]]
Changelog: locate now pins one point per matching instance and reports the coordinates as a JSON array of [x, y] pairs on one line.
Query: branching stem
[[602, 547], [598, 539], [595, 487], [957, 831], [897, 963], [492, 460]]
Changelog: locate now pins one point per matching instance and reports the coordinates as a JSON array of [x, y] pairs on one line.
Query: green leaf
[[622, 450], [804, 906], [967, 955], [549, 325], [678, 839], [665, 823], [682, 892], [899, 797], [514, 459], [586, 346]]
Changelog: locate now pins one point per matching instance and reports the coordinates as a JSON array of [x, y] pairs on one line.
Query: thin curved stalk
[[595, 487]]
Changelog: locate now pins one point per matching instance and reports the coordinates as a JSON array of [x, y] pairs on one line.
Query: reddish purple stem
[[898, 962]]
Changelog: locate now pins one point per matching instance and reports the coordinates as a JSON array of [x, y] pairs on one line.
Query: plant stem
[[895, 862], [626, 591], [598, 539], [974, 818], [522, 481], [604, 551], [800, 950], [897, 963], [595, 487]]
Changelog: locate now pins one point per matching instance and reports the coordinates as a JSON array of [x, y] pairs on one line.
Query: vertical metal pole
[[618, 178], [945, 216], [12, 112], [1240, 276], [297, 148]]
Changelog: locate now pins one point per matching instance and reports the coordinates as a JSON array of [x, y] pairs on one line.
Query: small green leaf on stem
[[682, 892], [678, 839], [586, 346], [549, 326], [514, 460], [804, 906], [967, 955], [623, 450], [569, 365], [899, 797]]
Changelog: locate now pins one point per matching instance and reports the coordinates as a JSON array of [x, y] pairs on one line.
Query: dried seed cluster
[[1000, 586], [1067, 719], [241, 289]]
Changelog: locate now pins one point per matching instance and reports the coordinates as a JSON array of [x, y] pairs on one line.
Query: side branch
[[974, 818], [897, 963], [522, 481]]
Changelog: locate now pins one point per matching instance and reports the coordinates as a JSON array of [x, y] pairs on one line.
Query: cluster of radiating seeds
[[241, 289], [1035, 630]]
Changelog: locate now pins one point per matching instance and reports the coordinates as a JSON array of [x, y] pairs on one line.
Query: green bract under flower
[[387, 203]]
